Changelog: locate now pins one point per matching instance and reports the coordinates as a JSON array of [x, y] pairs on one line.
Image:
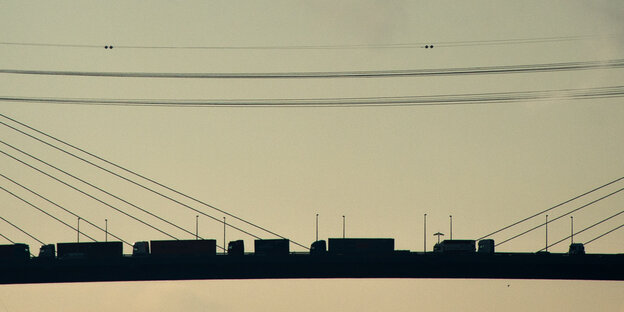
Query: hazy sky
[[488, 165]]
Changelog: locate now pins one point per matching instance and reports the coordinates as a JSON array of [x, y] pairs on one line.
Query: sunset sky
[[382, 167]]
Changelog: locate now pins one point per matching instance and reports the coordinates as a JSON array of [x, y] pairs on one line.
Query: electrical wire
[[408, 45], [481, 70], [561, 216], [434, 100]]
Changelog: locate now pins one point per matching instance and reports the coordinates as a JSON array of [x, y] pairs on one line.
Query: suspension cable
[[17, 227], [595, 238], [48, 214], [12, 242], [65, 209], [89, 195], [99, 189], [561, 216], [143, 177], [583, 230], [551, 208]]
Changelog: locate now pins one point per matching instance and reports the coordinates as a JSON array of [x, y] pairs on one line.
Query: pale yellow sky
[[383, 167]]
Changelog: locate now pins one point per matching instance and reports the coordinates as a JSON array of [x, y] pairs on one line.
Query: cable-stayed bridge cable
[[17, 227], [12, 242], [100, 189], [136, 183], [561, 216], [551, 208], [479, 70], [602, 235], [65, 209], [46, 213], [87, 194], [131, 181], [583, 230]]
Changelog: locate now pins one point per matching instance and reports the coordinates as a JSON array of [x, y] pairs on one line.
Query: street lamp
[[316, 228], [451, 217], [343, 226], [438, 234], [425, 236]]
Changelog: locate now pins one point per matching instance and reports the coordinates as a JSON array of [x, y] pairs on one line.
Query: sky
[[384, 167]]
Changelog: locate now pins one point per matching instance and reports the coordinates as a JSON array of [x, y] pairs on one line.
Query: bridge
[[297, 266], [393, 264]]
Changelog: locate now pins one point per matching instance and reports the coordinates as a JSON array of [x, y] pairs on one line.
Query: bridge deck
[[395, 265]]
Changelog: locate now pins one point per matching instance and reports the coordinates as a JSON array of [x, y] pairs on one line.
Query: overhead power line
[[481, 70], [433, 100], [551, 208], [561, 216], [405, 45]]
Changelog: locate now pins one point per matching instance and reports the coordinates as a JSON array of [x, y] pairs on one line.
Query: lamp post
[[106, 230], [316, 228], [343, 226], [224, 244], [425, 235], [197, 227], [438, 234], [546, 233], [78, 231], [571, 229], [451, 218]]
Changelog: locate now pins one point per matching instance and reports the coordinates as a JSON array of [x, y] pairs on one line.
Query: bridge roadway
[[394, 265]]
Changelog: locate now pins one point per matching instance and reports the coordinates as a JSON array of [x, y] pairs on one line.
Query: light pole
[[106, 230], [316, 228], [343, 226], [546, 233], [438, 235], [196, 227], [425, 236], [571, 229], [224, 244], [451, 217], [78, 231]]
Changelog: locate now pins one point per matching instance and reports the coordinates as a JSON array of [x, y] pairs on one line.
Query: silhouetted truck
[[236, 248], [455, 246], [194, 248], [272, 247], [89, 250], [14, 252], [576, 249], [360, 245], [318, 248], [47, 251], [486, 246]]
